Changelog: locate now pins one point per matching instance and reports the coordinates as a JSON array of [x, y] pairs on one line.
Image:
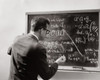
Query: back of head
[[40, 23]]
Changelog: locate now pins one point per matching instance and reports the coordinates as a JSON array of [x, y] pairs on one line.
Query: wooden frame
[[79, 16]]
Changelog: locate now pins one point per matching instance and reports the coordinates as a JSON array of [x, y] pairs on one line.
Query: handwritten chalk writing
[[79, 32], [87, 19], [55, 47], [67, 46], [89, 31], [91, 55], [56, 19], [89, 51], [81, 19], [58, 47], [93, 27], [78, 18], [54, 26], [81, 26], [89, 37], [57, 25], [66, 43], [56, 33], [74, 57], [80, 40], [74, 35]]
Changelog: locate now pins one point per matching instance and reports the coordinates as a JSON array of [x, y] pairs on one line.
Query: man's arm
[[44, 70]]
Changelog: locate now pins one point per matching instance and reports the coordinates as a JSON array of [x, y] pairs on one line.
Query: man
[[28, 56]]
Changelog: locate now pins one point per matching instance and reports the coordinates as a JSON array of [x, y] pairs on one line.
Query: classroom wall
[[13, 23]]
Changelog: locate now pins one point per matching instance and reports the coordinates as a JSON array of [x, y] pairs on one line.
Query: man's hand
[[61, 59]]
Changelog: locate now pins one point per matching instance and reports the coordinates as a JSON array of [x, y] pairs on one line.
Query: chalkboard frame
[[69, 68]]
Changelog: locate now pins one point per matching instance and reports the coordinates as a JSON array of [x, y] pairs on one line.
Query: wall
[[12, 23]]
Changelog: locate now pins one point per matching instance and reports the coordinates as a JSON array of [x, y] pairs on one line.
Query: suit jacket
[[28, 60]]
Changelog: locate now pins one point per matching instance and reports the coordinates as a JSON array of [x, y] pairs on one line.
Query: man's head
[[40, 26]]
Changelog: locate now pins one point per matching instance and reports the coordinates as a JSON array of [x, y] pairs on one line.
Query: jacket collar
[[32, 33]]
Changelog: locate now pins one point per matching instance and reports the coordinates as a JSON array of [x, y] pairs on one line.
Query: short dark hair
[[40, 23]]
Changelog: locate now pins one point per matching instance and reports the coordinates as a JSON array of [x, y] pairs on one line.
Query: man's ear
[[40, 30], [32, 28]]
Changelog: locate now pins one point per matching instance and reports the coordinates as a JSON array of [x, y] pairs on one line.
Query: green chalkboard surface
[[75, 35]]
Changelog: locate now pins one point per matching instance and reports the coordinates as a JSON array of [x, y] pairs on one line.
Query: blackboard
[[73, 34]]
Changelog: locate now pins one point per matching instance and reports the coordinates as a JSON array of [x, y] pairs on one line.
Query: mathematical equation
[[87, 29]]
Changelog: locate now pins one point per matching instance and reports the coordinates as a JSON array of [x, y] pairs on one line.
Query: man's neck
[[36, 34]]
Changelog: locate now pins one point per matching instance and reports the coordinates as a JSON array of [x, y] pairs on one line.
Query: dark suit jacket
[[28, 60]]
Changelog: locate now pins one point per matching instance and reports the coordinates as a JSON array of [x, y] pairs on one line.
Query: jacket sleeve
[[9, 50], [44, 70]]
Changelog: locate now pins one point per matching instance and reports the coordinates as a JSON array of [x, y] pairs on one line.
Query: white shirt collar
[[34, 35]]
